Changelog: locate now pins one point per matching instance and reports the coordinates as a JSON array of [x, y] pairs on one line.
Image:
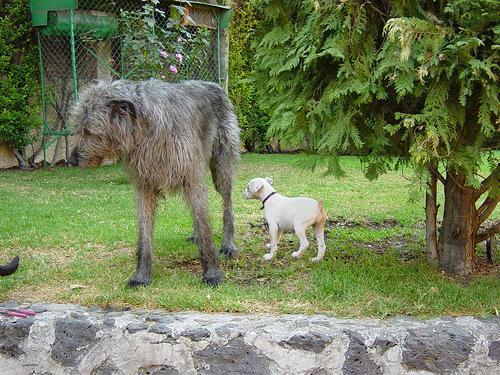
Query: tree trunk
[[56, 152], [457, 238], [430, 221], [20, 159]]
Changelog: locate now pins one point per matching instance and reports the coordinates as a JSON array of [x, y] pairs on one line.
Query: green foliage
[[158, 45], [412, 80], [18, 64], [253, 121]]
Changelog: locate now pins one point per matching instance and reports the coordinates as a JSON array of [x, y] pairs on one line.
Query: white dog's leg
[[274, 232], [320, 238], [280, 232], [300, 231]]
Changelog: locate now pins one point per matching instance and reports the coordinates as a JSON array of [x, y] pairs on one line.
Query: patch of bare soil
[[484, 268], [191, 265], [401, 244], [341, 222]]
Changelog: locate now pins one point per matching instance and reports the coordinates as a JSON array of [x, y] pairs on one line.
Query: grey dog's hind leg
[[146, 206], [225, 158], [223, 182], [197, 196]]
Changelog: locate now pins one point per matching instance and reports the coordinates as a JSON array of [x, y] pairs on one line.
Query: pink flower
[[179, 57], [173, 69], [164, 54]]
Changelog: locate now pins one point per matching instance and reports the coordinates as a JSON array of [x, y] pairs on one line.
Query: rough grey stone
[[109, 322], [9, 304], [383, 344], [436, 349], [315, 342], [357, 359], [73, 338], [235, 358], [494, 351], [159, 318], [77, 315], [317, 371], [161, 329], [226, 330], [242, 344], [106, 368], [196, 334], [12, 335], [95, 309], [448, 318], [38, 308], [136, 327], [158, 370]]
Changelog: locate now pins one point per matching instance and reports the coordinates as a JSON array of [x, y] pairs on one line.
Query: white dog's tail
[[321, 217]]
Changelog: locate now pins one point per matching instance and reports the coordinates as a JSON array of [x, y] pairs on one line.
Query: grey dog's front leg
[[146, 207]]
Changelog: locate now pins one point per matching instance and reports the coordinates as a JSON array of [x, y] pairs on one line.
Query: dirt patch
[[484, 268], [192, 265], [401, 244], [341, 222]]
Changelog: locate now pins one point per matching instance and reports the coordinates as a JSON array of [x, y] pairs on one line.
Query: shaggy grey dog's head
[[100, 120]]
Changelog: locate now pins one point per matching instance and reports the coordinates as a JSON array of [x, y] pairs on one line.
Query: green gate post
[[73, 58], [44, 103]]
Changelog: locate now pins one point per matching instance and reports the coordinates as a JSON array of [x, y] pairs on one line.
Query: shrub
[[253, 121], [18, 67]]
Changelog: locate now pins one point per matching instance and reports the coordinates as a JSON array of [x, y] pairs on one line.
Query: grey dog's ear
[[121, 108]]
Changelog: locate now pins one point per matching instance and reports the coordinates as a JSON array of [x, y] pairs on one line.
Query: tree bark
[[456, 245], [431, 221], [20, 159]]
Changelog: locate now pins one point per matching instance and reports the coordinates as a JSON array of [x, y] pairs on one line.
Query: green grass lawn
[[75, 232]]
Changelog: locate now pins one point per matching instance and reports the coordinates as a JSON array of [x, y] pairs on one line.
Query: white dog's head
[[256, 186]]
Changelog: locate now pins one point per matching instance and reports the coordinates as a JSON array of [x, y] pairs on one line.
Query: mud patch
[[402, 245], [191, 265], [342, 222]]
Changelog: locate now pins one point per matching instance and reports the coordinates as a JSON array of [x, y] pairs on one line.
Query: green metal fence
[[80, 41]]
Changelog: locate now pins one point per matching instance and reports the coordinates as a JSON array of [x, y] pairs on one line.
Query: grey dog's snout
[[74, 158]]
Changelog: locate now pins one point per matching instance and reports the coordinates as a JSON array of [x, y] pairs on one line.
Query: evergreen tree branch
[[384, 15], [486, 209], [436, 173], [494, 176]]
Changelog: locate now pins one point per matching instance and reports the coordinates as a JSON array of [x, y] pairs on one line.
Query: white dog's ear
[[269, 180], [255, 186]]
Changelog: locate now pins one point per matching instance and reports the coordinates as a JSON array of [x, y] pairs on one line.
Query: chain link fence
[[80, 41]]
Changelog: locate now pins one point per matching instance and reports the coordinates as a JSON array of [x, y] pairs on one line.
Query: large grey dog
[[168, 135]]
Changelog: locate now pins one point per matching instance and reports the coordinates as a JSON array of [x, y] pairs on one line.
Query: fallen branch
[[486, 232]]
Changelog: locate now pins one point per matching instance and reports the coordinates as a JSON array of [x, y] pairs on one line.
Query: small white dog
[[288, 214]]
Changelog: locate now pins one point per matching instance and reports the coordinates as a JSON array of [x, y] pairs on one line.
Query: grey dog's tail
[[227, 147]]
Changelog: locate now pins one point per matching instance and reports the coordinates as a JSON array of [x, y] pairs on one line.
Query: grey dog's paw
[[213, 277], [137, 281], [229, 251], [193, 239]]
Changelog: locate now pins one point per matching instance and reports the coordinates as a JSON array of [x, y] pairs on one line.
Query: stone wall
[[7, 158], [67, 339]]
